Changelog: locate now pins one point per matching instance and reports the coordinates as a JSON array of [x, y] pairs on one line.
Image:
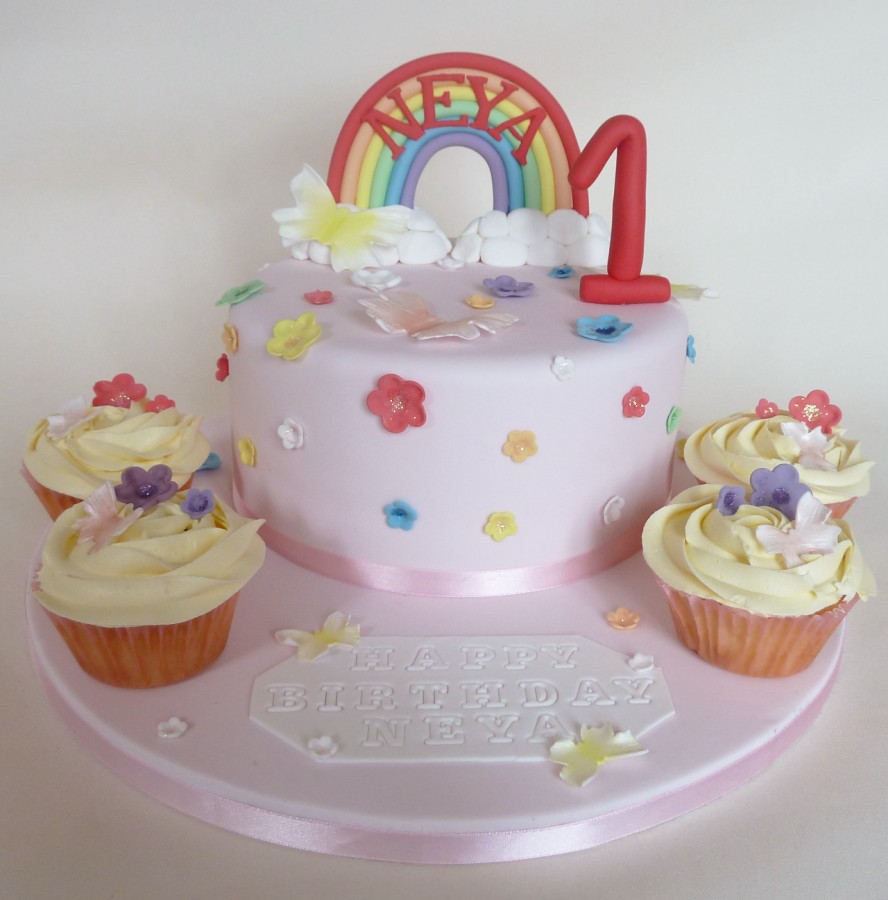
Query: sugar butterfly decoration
[[808, 534], [103, 518], [408, 313]]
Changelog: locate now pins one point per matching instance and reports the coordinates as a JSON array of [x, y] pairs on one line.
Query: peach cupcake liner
[[148, 656], [751, 644], [55, 503], [840, 510]]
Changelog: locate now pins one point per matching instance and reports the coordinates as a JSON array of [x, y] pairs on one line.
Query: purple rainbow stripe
[[508, 187]]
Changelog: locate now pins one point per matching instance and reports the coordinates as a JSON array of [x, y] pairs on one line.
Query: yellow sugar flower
[[581, 759], [500, 525], [230, 337], [292, 337], [246, 449], [520, 445], [337, 629], [480, 301], [350, 234]]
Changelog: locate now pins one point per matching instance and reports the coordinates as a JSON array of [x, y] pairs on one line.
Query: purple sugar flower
[[145, 489], [779, 488], [507, 286], [730, 498], [198, 503]]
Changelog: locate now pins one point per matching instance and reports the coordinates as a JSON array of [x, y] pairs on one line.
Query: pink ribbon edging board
[[417, 847]]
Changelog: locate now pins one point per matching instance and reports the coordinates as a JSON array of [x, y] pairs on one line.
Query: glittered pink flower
[[634, 402], [398, 403], [319, 298], [160, 402], [766, 409], [122, 390], [222, 367], [815, 409]]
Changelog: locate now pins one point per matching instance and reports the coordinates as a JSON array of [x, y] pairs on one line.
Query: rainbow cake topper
[[519, 129], [457, 99]]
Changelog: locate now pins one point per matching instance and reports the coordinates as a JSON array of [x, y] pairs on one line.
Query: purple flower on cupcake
[[144, 489], [730, 499], [198, 503], [778, 488]]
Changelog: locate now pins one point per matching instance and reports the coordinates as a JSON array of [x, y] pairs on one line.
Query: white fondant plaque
[[456, 698]]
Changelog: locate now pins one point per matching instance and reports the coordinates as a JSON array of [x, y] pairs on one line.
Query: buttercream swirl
[[165, 568], [693, 547], [731, 449], [98, 449]]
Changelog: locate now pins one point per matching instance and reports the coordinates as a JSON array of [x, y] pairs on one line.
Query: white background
[[143, 147]]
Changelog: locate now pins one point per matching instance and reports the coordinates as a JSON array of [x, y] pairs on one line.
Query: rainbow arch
[[457, 99]]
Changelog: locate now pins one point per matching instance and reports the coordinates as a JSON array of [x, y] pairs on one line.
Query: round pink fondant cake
[[448, 417], [450, 504]]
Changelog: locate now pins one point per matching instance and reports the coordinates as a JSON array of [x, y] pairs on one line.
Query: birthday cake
[[442, 417], [455, 443]]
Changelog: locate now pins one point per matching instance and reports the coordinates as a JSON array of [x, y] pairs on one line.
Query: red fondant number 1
[[624, 283]]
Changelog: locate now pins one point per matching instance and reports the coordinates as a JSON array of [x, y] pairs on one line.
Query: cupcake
[[141, 581], [756, 584], [71, 453], [805, 435]]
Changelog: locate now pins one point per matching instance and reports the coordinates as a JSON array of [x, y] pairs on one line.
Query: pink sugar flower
[[398, 403], [122, 390]]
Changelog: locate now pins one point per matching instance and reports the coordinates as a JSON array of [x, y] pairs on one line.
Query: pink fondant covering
[[326, 500]]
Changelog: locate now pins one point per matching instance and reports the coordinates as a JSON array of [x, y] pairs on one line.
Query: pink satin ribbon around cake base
[[444, 583]]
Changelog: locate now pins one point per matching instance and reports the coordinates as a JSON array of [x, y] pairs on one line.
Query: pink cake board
[[231, 772]]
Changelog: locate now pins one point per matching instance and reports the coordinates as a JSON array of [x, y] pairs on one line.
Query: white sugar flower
[[70, 415], [563, 368], [291, 433]]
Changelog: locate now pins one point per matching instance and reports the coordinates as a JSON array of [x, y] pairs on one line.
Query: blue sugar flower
[[779, 488], [606, 329], [561, 272], [400, 515], [691, 349], [730, 498], [211, 462], [198, 503]]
